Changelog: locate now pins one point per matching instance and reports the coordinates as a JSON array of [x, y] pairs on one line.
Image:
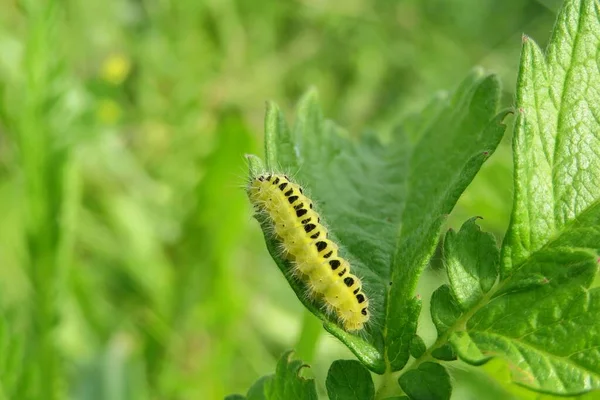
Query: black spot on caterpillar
[[309, 227]]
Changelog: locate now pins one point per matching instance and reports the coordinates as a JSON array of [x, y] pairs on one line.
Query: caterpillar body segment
[[304, 241]]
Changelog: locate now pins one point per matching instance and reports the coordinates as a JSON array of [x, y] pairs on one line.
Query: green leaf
[[349, 379], [444, 309], [407, 184], [468, 350], [444, 353], [257, 391], [443, 163], [417, 347], [472, 258], [542, 318], [286, 383], [235, 397], [556, 141], [430, 381]]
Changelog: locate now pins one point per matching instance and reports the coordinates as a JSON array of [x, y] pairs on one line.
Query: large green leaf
[[542, 316], [385, 201], [557, 140]]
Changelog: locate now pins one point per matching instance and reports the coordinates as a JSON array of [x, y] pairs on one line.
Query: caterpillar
[[304, 241]]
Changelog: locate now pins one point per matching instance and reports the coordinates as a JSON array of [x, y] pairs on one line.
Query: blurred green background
[[130, 265]]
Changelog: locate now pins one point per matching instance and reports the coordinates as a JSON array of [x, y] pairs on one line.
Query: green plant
[[529, 302]]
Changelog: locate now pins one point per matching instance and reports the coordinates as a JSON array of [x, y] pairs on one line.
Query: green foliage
[[472, 260], [130, 267], [400, 174], [428, 381], [349, 379], [542, 315], [529, 302], [286, 383]]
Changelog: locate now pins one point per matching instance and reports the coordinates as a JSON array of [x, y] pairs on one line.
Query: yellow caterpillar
[[305, 242]]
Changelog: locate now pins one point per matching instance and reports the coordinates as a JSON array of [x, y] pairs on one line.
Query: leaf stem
[[459, 325], [309, 337], [386, 388]]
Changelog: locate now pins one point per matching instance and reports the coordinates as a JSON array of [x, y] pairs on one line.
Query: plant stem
[[459, 324], [386, 387], [309, 336]]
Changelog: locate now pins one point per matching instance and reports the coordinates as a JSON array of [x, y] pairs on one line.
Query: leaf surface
[[543, 317], [286, 383], [384, 202], [427, 382], [349, 380]]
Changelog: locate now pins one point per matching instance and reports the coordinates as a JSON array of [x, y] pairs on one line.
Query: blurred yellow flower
[[115, 69], [108, 111]]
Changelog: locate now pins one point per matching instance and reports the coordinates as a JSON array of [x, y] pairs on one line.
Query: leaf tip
[[524, 38], [270, 105], [478, 71], [255, 165]]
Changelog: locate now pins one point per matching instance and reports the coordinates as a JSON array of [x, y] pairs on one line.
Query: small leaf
[[430, 381], [286, 383], [468, 350], [444, 353], [472, 258], [417, 347], [349, 379], [444, 309], [257, 390], [255, 165]]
